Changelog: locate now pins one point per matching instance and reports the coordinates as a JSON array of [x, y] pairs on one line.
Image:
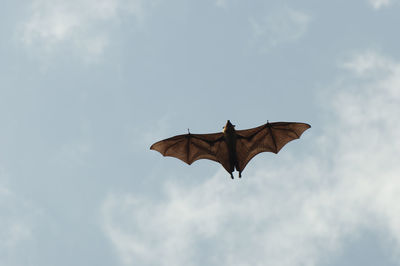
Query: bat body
[[233, 149]]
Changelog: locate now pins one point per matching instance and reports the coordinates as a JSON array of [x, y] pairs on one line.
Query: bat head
[[229, 127]]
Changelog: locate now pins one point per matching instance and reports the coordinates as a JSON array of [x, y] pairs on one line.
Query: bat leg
[[231, 175], [240, 174]]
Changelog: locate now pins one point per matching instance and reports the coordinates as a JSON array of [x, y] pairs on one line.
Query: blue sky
[[87, 86]]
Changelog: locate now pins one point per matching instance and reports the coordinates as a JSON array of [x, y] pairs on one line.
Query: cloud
[[377, 4], [283, 26], [149, 133], [75, 151], [17, 223], [294, 210], [369, 63], [84, 25], [12, 230], [221, 3]]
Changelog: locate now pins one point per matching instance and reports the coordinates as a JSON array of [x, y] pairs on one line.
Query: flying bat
[[233, 149]]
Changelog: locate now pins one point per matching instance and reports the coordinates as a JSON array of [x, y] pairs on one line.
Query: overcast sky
[[86, 86]]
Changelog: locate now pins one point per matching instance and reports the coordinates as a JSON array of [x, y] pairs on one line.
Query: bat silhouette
[[233, 149]]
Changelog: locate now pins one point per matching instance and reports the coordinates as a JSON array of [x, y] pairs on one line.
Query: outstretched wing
[[269, 137], [192, 147]]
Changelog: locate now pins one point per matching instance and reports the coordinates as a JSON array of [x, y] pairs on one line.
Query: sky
[[87, 86]]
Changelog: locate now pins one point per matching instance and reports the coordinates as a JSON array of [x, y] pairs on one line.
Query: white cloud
[[377, 4], [369, 63], [286, 210], [283, 26], [81, 24]]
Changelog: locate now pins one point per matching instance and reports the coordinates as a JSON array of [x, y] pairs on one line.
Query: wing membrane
[[193, 147], [270, 137]]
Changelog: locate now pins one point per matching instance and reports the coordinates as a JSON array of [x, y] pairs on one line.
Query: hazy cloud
[[148, 133], [17, 223], [221, 3], [282, 26], [369, 63], [291, 211], [377, 4], [81, 24]]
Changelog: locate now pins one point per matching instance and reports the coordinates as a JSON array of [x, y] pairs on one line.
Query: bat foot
[[240, 174], [231, 175]]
